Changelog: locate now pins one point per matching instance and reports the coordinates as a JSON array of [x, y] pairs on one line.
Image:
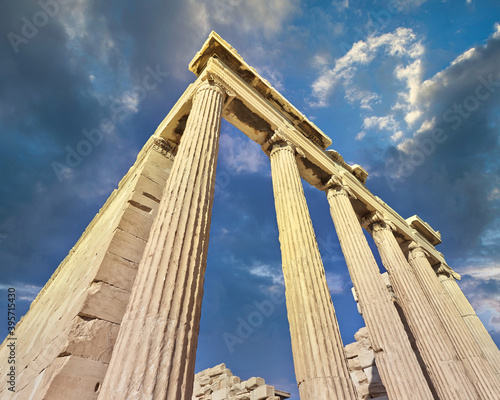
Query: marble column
[[474, 324], [318, 353], [476, 352], [154, 356], [445, 370], [396, 362]]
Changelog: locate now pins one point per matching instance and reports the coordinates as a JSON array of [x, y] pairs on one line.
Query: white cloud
[[24, 291], [387, 123], [481, 288], [273, 76], [402, 47], [417, 106], [380, 123], [496, 34], [341, 5], [267, 271], [409, 4], [240, 154], [336, 283], [482, 272], [462, 76], [265, 16]]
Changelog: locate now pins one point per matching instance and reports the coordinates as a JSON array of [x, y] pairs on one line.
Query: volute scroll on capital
[[278, 141], [336, 186], [415, 249], [445, 270], [212, 81], [375, 220]]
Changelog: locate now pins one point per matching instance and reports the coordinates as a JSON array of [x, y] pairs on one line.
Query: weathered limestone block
[[69, 375], [363, 391], [218, 383], [254, 383], [105, 302], [92, 339], [117, 271], [366, 358], [366, 380], [127, 246], [372, 374], [354, 364], [220, 394], [352, 350], [136, 222], [359, 378], [262, 392], [240, 397], [149, 188]]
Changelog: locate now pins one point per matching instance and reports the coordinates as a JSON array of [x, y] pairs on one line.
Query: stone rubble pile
[[219, 383], [361, 364]]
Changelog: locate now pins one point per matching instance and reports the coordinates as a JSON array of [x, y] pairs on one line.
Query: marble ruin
[[119, 319], [218, 383]]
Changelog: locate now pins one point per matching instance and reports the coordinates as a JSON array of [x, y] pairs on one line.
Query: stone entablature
[[219, 383]]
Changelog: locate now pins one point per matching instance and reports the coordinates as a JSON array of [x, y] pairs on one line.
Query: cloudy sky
[[409, 89]]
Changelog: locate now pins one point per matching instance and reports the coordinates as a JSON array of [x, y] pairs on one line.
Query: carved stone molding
[[444, 269], [164, 147], [375, 220], [278, 141], [336, 186], [211, 84]]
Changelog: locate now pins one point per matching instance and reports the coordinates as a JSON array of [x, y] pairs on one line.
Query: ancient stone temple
[[119, 319]]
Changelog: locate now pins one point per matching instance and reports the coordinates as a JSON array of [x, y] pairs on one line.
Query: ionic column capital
[[336, 186], [278, 142], [211, 84], [376, 221], [415, 250]]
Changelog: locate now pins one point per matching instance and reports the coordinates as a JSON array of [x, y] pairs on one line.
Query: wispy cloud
[[24, 291], [341, 5], [481, 284], [265, 16], [267, 271], [240, 154], [336, 283], [400, 46]]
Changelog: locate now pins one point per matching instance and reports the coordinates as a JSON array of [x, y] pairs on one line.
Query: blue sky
[[409, 89]]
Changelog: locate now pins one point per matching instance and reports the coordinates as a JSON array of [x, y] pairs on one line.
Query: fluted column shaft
[[154, 356], [474, 345], [396, 361], [318, 353], [455, 295], [445, 370]]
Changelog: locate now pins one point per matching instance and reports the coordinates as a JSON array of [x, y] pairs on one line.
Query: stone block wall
[[218, 383], [66, 338]]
